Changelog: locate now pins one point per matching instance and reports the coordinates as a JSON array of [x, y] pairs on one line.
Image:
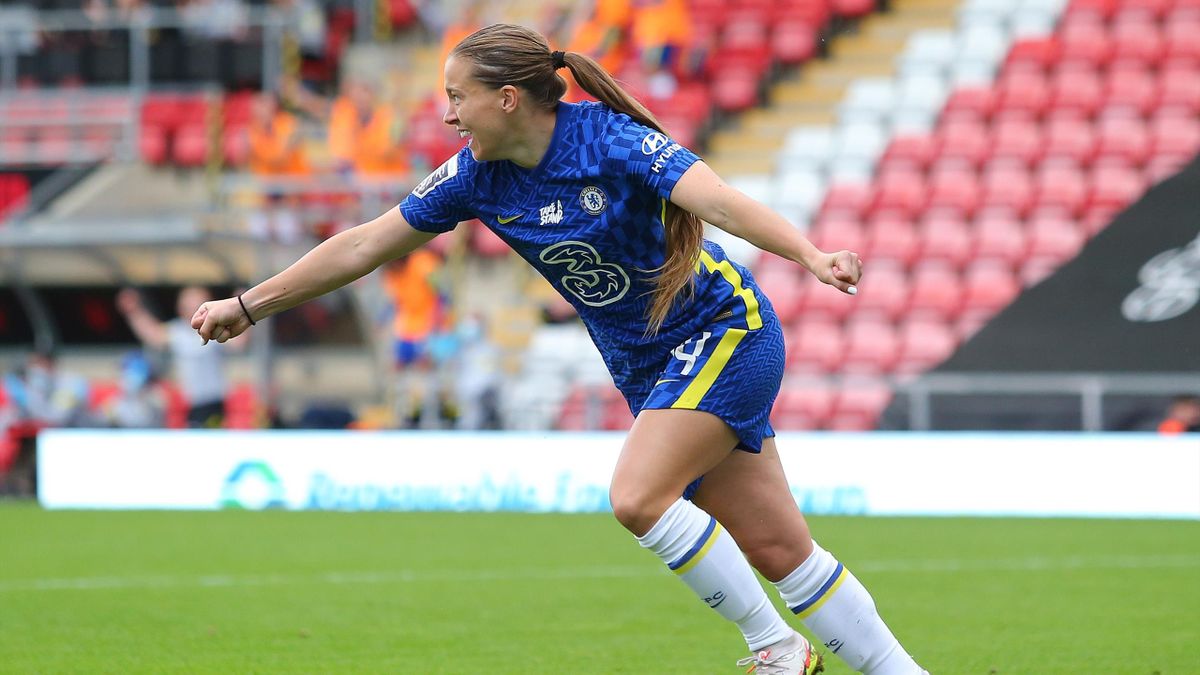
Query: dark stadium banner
[[1128, 303]]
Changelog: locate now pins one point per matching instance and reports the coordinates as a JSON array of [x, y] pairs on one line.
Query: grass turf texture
[[241, 592]]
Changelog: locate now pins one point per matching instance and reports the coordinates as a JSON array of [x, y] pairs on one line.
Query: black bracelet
[[245, 311]]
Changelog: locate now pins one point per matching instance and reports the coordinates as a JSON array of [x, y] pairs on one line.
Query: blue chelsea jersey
[[589, 219]]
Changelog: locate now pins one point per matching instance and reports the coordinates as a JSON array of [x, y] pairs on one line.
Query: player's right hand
[[220, 320]]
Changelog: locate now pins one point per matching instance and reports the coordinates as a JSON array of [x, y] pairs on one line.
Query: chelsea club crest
[[593, 200]]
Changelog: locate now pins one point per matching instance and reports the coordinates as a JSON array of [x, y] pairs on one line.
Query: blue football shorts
[[728, 371]]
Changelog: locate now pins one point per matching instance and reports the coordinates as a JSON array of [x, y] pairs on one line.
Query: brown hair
[[509, 54]]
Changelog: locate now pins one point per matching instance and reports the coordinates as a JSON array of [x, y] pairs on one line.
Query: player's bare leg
[[665, 451], [749, 494]]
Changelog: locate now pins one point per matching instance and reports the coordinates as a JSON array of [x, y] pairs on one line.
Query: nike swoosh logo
[[664, 382], [504, 221]]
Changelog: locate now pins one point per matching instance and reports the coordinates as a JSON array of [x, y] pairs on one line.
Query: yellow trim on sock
[[829, 593], [712, 539]]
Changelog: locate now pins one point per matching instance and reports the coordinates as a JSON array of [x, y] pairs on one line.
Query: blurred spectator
[[308, 18], [276, 150], [137, 404], [416, 304], [416, 311], [213, 19], [1183, 415], [42, 394], [476, 376], [276, 145], [602, 35], [198, 367], [660, 36], [366, 135], [468, 20]]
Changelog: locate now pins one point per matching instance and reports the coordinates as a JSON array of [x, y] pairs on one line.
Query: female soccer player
[[608, 208]]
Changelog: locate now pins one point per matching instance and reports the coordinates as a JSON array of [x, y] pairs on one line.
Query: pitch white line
[[613, 572]]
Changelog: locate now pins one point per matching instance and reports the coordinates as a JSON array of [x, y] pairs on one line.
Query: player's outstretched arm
[[703, 193], [332, 264]]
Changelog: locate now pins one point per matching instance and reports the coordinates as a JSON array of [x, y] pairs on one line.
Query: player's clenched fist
[[220, 320], [842, 270]]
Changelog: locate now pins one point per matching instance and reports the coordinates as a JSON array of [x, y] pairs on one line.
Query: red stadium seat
[[847, 198], [890, 237], [1007, 188], [1138, 42], [190, 147], [815, 346], [1181, 88], [963, 140], [1179, 41], [1125, 140], [990, 285], [1131, 90], [793, 42], [946, 239], [863, 399], [900, 190], [1035, 269], [235, 146], [1084, 42], [1032, 53], [871, 347], [243, 408], [1077, 89], [1071, 139], [953, 192], [783, 287], [1061, 187], [1027, 92], [837, 230], [924, 342], [1017, 139], [910, 150], [1100, 9], [1054, 237], [152, 145], [936, 290], [802, 407], [852, 9], [970, 103], [825, 300], [1000, 237], [1113, 188], [883, 290]]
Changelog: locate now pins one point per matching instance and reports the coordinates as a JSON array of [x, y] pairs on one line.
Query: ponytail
[[684, 231], [509, 54]]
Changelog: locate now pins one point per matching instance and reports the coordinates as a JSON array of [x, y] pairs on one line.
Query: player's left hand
[[842, 270]]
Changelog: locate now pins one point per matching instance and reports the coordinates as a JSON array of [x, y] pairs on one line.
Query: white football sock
[[701, 552], [839, 611]]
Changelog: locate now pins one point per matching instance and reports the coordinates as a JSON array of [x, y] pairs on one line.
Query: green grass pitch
[[240, 592]]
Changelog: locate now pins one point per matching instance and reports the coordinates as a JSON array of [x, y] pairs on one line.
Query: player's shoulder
[[459, 168]]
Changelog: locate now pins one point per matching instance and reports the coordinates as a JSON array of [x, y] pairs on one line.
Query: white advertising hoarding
[[1096, 475]]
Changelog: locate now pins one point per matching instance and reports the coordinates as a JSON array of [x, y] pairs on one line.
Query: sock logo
[[716, 599], [834, 645]]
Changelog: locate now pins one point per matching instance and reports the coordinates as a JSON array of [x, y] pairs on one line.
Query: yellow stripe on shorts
[[690, 398], [753, 320]]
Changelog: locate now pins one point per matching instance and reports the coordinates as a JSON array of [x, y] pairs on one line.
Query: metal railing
[[1091, 388]]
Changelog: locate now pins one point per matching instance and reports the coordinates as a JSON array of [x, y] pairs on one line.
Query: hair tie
[[558, 59]]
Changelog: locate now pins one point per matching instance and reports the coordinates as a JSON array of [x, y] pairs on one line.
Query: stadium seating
[[1017, 172]]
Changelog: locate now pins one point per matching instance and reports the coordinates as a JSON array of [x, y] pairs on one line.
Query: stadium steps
[[810, 95]]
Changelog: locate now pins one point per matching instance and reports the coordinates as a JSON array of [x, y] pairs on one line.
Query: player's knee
[[636, 509]]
